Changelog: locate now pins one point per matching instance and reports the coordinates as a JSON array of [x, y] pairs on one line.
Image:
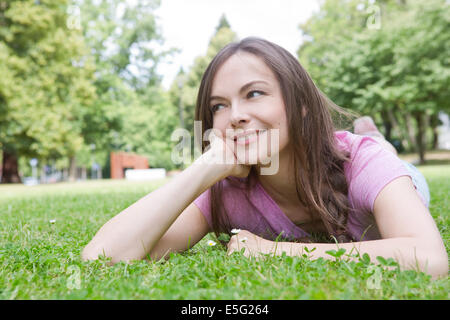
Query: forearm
[[135, 231], [410, 253]]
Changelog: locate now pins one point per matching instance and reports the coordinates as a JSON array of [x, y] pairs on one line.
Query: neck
[[281, 185]]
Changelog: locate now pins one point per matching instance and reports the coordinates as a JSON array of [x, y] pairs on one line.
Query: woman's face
[[246, 98]]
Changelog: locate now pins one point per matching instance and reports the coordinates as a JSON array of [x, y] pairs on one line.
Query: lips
[[248, 135]]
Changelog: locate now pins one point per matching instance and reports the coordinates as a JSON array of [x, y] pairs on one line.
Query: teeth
[[249, 136], [242, 139]]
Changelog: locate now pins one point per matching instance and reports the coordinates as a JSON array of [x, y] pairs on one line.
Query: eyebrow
[[244, 87]]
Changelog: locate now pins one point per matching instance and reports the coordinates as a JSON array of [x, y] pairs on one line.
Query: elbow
[[430, 258], [92, 252], [434, 264], [89, 253], [439, 266]]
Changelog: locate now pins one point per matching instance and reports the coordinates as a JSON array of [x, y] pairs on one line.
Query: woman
[[346, 186]]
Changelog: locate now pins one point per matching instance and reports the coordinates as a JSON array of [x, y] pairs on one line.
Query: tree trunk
[[387, 126], [425, 125], [10, 168], [420, 138], [401, 128], [73, 169], [435, 142], [434, 123], [394, 122], [410, 131]]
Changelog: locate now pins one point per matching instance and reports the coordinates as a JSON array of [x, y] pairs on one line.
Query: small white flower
[[211, 243], [235, 231], [243, 239], [52, 221]]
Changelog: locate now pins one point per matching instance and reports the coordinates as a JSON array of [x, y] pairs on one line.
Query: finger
[[230, 250], [244, 233], [214, 134], [232, 243]]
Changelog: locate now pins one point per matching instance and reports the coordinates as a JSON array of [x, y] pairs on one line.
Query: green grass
[[41, 260]]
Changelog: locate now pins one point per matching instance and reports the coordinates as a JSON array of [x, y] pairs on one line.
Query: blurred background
[[91, 88]]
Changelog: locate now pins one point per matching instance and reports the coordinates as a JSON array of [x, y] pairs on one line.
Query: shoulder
[[355, 144], [365, 153], [370, 168]]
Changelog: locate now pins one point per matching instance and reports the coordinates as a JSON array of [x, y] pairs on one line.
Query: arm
[[134, 232], [409, 234], [166, 219]]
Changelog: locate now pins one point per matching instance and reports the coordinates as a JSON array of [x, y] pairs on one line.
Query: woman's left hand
[[253, 244]]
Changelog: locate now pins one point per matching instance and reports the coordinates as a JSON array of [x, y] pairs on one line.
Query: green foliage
[[403, 64], [396, 71], [336, 254], [79, 80], [66, 87], [335, 23], [123, 38], [45, 86], [148, 129], [223, 23], [132, 112]]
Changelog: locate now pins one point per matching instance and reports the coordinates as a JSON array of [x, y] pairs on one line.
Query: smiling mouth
[[248, 138]]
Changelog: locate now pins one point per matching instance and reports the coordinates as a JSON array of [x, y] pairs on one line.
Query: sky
[[189, 25]]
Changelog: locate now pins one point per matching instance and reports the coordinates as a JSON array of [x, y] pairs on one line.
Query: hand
[[220, 152], [253, 245]]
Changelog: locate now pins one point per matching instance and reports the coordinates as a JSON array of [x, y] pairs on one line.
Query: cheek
[[284, 137], [219, 125], [282, 126]]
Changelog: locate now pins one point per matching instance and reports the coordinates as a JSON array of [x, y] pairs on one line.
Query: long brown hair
[[318, 163]]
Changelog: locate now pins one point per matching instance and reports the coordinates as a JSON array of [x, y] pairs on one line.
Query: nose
[[238, 115]]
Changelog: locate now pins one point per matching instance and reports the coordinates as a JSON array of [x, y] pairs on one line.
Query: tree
[[335, 24], [148, 130], [398, 72], [223, 23], [123, 38], [45, 86]]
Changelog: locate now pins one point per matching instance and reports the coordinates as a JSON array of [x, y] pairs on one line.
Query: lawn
[[44, 228]]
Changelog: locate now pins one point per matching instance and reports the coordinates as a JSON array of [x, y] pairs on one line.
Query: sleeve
[[372, 168], [203, 202]]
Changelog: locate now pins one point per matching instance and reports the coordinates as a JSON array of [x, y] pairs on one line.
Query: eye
[[215, 107], [250, 94]]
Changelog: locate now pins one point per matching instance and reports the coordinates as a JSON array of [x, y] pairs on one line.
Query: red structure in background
[[124, 160]]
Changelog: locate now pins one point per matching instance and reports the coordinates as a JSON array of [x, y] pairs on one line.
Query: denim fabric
[[419, 182]]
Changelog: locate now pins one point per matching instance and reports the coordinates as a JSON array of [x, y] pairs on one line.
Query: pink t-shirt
[[371, 168]]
